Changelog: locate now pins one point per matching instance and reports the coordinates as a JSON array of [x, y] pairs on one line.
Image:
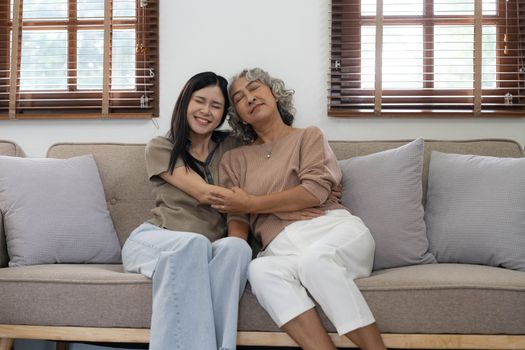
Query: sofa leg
[[6, 343], [62, 345]]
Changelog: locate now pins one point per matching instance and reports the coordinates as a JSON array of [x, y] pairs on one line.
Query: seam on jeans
[[176, 302]]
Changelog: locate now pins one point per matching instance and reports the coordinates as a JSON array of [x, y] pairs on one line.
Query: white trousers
[[322, 256]]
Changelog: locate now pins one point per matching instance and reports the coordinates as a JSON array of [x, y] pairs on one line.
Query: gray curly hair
[[284, 103]]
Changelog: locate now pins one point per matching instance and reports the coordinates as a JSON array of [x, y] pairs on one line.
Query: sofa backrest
[[7, 148], [484, 147], [129, 193]]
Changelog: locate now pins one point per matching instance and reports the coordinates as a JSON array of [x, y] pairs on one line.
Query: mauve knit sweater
[[302, 157]]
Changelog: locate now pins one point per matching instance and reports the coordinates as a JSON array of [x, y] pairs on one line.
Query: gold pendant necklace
[[279, 136]]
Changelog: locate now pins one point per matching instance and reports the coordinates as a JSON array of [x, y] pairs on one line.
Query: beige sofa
[[447, 306]]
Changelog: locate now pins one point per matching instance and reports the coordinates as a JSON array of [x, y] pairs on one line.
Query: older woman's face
[[253, 100]]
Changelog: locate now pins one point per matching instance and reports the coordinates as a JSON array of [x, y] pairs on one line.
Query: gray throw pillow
[[55, 212], [475, 211], [385, 190]]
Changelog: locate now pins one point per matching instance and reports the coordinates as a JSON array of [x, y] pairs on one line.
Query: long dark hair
[[180, 131]]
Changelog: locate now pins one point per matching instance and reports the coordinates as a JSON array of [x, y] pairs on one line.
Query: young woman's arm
[[190, 182], [239, 201], [158, 154], [285, 203]]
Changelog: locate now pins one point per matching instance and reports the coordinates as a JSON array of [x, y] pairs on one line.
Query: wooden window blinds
[[78, 59], [427, 57]]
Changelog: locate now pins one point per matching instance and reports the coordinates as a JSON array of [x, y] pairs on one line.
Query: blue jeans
[[196, 286]]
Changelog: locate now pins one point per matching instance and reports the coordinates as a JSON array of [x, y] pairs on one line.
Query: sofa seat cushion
[[435, 298], [91, 295], [448, 298]]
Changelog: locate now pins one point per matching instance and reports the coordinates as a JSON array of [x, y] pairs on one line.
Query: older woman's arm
[[238, 201]]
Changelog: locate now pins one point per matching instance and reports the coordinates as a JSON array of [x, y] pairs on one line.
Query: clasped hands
[[233, 201], [238, 201]]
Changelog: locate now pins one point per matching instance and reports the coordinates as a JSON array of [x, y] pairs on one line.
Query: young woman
[[197, 276], [322, 255]]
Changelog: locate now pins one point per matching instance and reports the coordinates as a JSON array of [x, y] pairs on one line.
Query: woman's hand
[[336, 195], [233, 201], [215, 195], [304, 214]]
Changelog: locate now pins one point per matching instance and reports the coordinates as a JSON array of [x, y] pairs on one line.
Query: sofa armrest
[[7, 148], [4, 258]]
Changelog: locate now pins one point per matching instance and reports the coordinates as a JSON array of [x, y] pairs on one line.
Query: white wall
[[288, 38]]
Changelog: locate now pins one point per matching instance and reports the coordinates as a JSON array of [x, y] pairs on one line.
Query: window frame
[[348, 38], [70, 107]]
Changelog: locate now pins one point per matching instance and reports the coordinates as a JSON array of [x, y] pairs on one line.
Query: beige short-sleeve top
[[174, 209]]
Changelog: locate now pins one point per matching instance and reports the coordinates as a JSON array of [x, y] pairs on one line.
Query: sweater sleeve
[[229, 176], [319, 171]]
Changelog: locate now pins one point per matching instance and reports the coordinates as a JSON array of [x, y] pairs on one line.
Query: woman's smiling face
[[205, 110]]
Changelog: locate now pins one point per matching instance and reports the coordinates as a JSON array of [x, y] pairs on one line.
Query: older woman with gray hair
[[322, 255]]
